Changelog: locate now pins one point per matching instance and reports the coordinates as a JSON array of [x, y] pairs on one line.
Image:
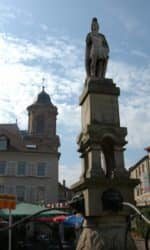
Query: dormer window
[[3, 143]]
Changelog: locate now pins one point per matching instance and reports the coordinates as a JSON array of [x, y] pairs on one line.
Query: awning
[[26, 209]]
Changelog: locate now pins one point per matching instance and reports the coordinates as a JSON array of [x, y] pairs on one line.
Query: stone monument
[[104, 182]]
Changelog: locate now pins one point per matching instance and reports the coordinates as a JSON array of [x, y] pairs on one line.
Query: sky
[[46, 39]]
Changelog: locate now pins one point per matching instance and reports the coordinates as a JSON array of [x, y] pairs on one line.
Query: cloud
[[134, 105], [131, 79], [9, 13], [69, 115], [23, 64], [44, 27], [69, 173], [140, 53]]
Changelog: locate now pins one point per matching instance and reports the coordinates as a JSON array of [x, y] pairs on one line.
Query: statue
[[97, 52]]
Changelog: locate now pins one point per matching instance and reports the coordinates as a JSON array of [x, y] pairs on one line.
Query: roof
[[43, 98], [12, 132], [138, 163], [60, 185], [22, 141]]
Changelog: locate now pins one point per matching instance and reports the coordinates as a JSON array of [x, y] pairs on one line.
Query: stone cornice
[[99, 86]]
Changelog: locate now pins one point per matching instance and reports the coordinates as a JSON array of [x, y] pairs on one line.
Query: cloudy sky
[[45, 38]]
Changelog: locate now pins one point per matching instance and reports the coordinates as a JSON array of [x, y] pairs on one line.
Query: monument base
[[105, 233], [94, 188]]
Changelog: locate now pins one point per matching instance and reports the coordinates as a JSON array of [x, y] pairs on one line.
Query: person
[[97, 52]]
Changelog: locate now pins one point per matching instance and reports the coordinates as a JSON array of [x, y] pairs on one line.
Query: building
[[29, 159], [141, 171], [65, 193]]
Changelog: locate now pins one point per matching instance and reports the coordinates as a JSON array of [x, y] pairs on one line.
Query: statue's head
[[94, 25]]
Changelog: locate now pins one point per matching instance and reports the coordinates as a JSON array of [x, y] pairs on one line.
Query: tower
[[42, 116]]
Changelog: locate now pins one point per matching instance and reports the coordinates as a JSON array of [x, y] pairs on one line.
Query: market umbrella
[[43, 219], [74, 220], [27, 209], [59, 218]]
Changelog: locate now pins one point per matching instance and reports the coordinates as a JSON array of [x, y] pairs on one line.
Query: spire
[[43, 85], [43, 97]]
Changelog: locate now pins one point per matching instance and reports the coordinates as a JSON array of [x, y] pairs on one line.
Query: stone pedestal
[[94, 188], [102, 135], [108, 232], [101, 131]]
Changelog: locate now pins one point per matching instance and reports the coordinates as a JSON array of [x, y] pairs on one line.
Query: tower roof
[[43, 98]]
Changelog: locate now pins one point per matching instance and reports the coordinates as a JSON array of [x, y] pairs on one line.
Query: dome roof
[[43, 98]]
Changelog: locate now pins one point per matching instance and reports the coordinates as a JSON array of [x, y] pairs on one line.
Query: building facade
[[65, 193], [29, 159], [141, 171]]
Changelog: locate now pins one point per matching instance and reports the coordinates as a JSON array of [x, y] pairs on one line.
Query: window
[[41, 193], [31, 146], [136, 173], [142, 168], [2, 167], [20, 192], [41, 169], [21, 168], [139, 171], [11, 168], [3, 143], [1, 189], [40, 124]]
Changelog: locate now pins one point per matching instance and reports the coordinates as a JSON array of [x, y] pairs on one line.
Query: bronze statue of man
[[97, 52]]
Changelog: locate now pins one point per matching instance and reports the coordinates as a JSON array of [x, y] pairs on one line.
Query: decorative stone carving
[[97, 52]]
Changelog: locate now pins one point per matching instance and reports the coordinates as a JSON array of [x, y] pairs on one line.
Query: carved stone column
[[119, 162], [94, 162]]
